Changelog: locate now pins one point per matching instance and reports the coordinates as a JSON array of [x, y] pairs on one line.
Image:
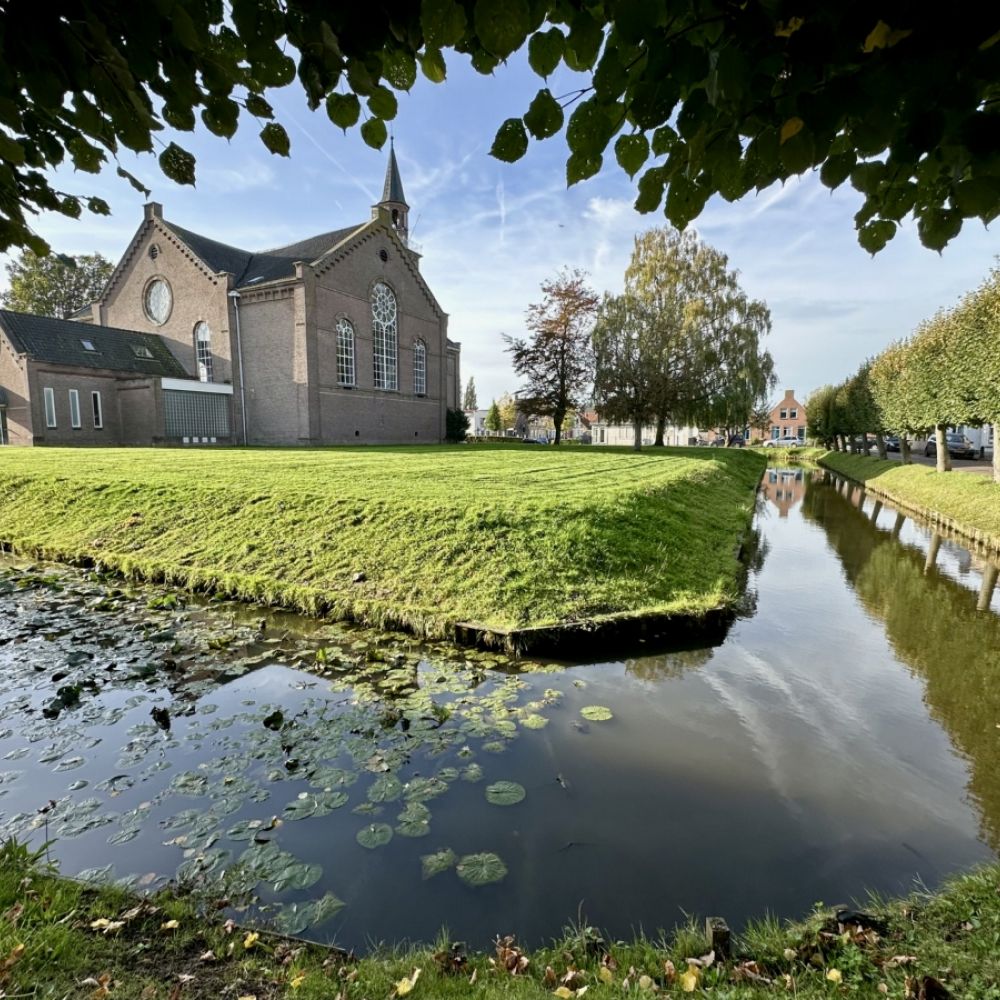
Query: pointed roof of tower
[[392, 190]]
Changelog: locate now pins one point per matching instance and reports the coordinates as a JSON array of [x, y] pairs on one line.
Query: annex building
[[336, 339]]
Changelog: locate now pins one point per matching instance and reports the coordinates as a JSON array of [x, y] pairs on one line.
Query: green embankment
[[417, 537], [966, 501], [59, 939]]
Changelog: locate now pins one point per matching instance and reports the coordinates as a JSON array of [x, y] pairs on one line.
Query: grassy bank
[[59, 939], [969, 503], [418, 537]]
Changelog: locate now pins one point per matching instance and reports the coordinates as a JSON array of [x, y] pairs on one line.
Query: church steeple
[[393, 199]]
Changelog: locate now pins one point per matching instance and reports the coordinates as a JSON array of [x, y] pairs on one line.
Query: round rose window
[[158, 300]]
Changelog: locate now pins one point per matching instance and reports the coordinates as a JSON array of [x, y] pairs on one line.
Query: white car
[[785, 442]]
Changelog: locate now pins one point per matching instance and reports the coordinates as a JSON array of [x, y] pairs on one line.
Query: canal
[[843, 736]]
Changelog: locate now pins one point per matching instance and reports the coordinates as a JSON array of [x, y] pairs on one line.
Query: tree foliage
[[557, 360], [492, 421], [696, 97], [470, 401], [55, 285], [456, 425]]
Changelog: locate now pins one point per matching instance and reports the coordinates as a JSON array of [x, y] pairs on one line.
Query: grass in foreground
[[59, 939], [971, 500], [418, 537]]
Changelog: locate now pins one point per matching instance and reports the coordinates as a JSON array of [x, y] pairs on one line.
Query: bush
[[456, 426]]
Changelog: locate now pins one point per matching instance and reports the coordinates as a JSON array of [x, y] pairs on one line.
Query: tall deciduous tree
[[55, 285], [698, 97], [507, 405], [469, 400], [557, 359], [492, 421]]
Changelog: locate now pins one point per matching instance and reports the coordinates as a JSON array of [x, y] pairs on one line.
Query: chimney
[[152, 210]]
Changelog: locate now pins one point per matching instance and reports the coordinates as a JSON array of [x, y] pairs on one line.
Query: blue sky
[[491, 232]]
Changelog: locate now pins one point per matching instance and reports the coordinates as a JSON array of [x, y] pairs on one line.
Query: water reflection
[[939, 628], [784, 488]]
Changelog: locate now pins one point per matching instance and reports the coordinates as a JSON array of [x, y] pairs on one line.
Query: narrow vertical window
[[203, 351], [74, 409], [419, 369], [95, 403], [50, 407], [384, 336], [345, 353]]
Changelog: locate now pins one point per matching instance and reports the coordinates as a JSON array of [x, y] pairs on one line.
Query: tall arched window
[[384, 335], [203, 351], [419, 369], [345, 353]]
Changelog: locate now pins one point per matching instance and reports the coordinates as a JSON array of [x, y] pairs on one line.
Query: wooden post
[[719, 937], [898, 526], [876, 510], [932, 552], [990, 574]]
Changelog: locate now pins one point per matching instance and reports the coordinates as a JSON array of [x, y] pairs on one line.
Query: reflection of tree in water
[[667, 666], [934, 628]]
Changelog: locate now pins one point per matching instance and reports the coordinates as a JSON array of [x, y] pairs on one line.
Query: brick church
[[336, 339]]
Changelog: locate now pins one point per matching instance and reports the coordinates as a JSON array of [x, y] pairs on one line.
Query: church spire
[[393, 199]]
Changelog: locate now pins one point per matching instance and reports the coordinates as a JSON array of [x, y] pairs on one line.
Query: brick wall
[[14, 382]]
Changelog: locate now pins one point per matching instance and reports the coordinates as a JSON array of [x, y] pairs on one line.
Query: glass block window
[[345, 353], [195, 414], [384, 335], [74, 409], [203, 351], [419, 369]]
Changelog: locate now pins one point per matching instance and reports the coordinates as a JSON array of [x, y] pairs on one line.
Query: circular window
[[154, 251], [158, 301]]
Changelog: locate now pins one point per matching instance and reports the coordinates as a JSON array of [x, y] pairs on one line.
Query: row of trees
[[682, 343], [946, 375]]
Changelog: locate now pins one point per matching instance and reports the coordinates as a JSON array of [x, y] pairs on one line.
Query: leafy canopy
[[695, 97], [55, 285]]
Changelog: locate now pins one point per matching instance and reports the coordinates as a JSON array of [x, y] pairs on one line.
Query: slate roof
[[60, 341], [265, 265], [392, 190]]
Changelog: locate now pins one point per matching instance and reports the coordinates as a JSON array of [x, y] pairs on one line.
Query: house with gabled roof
[[334, 339]]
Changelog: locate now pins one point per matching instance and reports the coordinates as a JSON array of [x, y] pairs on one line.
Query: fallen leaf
[[791, 954], [170, 925], [473, 977], [900, 960], [669, 972], [605, 975], [834, 976], [883, 989], [296, 981], [404, 986], [207, 956], [564, 992], [689, 979], [251, 939], [645, 983]]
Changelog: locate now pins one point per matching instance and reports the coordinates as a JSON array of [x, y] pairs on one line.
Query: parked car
[[959, 446], [785, 442], [892, 443], [736, 441]]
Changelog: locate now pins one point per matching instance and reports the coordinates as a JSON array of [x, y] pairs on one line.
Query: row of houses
[[334, 339]]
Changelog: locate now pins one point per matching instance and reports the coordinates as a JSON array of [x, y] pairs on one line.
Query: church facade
[[336, 339]]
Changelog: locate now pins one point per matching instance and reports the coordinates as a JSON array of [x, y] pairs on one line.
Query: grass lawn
[[59, 939], [971, 501], [417, 537]]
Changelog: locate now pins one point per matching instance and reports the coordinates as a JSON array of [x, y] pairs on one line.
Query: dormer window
[[88, 345], [141, 351]]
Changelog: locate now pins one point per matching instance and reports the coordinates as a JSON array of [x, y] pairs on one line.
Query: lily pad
[[414, 820], [375, 835], [596, 713], [481, 869], [387, 788], [294, 918], [422, 789], [439, 861], [534, 721], [472, 773], [297, 875], [505, 793], [314, 804]]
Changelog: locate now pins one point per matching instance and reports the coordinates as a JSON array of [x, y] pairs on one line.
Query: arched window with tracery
[[345, 352], [419, 368], [203, 351], [384, 334]]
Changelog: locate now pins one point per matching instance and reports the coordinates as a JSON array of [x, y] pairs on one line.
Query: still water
[[843, 736]]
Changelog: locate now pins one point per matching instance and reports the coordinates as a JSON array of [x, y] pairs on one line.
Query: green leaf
[[11, 151], [874, 236], [837, 169], [651, 186], [275, 138], [414, 820], [584, 41], [387, 788], [433, 66], [866, 177], [134, 181], [544, 116], [443, 22], [580, 166], [937, 227], [177, 164], [374, 132], [632, 151], [344, 110], [505, 793], [590, 127], [375, 835], [799, 151], [399, 68], [978, 196], [439, 861], [545, 49], [534, 721], [511, 142], [596, 713], [258, 107], [382, 103], [481, 869], [98, 206], [663, 140], [502, 25], [653, 102], [221, 116], [89, 158]]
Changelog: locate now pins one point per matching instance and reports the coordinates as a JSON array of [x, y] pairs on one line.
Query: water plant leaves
[[472, 773], [439, 861], [386, 788], [505, 793], [534, 721], [481, 869], [414, 820], [374, 835], [596, 713], [294, 918]]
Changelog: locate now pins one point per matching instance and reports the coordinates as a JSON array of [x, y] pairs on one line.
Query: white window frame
[[97, 410], [793, 414], [346, 372], [49, 395], [385, 338], [203, 352], [74, 409], [419, 368]]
